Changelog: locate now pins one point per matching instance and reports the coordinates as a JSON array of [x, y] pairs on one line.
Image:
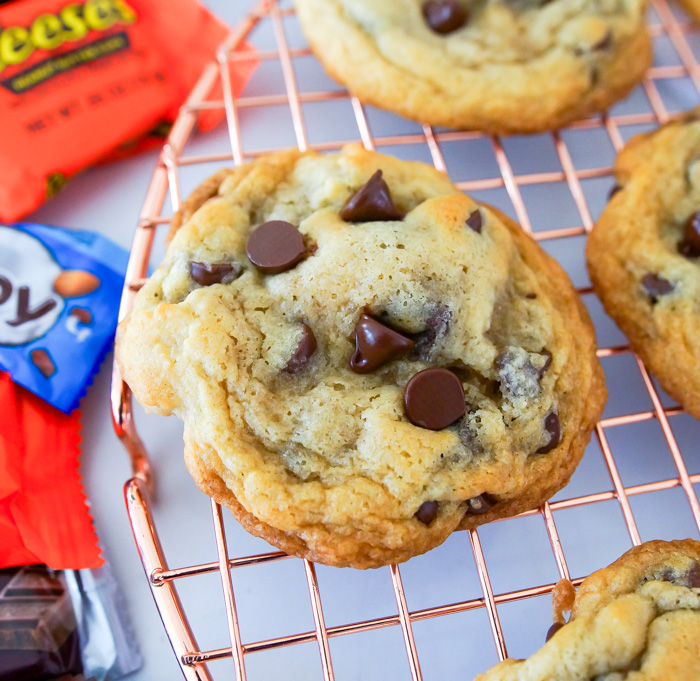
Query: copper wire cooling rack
[[674, 78]]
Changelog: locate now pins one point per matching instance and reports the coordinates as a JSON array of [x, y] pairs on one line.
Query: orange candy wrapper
[[82, 81], [43, 513]]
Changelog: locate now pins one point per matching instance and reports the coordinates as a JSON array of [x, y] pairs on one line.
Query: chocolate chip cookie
[[365, 359], [503, 66], [638, 618], [644, 254]]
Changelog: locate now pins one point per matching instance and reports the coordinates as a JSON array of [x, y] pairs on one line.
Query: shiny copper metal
[[165, 180]]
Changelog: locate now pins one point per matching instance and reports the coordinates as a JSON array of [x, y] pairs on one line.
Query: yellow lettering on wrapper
[[49, 31]]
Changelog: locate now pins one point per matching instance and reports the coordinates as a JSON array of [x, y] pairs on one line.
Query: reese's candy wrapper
[[43, 514], [82, 81], [59, 302]]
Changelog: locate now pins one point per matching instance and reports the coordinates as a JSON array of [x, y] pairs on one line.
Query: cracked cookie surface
[[294, 385], [512, 66], [639, 619], [644, 254]]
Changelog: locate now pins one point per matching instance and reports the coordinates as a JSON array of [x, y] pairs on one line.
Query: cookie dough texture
[[323, 463], [515, 67], [638, 235], [636, 619]]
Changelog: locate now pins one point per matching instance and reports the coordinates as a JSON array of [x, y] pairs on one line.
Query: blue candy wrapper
[[59, 302]]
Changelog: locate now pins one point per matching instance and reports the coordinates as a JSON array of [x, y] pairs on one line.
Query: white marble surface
[[273, 599]]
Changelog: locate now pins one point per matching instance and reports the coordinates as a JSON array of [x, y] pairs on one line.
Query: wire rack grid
[[653, 104]]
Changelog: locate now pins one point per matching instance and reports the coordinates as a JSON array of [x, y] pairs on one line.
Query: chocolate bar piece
[[38, 636]]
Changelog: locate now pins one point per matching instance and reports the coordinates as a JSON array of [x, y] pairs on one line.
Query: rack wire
[[666, 24]]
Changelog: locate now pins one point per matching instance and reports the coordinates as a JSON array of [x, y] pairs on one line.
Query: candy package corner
[[59, 302], [67, 625]]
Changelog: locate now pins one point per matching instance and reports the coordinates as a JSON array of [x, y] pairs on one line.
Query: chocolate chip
[[376, 344], [594, 75], [480, 505], [656, 286], [371, 202], [553, 427], [690, 579], [663, 576], [553, 630], [690, 246], [688, 117], [427, 512], [444, 16], [301, 356], [475, 221], [468, 437], [547, 362], [434, 399], [531, 296], [42, 361], [616, 188], [207, 274], [275, 246], [83, 315], [694, 576], [604, 43], [436, 328]]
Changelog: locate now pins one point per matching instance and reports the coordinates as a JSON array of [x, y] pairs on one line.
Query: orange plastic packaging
[[79, 78], [43, 515]]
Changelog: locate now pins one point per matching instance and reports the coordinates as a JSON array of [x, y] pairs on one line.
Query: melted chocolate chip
[[531, 296], [663, 576], [375, 345], [604, 43], [206, 274], [547, 362], [613, 191], [520, 371], [480, 505], [444, 16], [553, 630], [468, 436], [690, 579], [689, 117], [656, 286], [42, 361], [275, 246], [427, 512], [690, 245], [553, 427], [436, 328], [301, 356], [371, 202], [434, 399], [475, 221]]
